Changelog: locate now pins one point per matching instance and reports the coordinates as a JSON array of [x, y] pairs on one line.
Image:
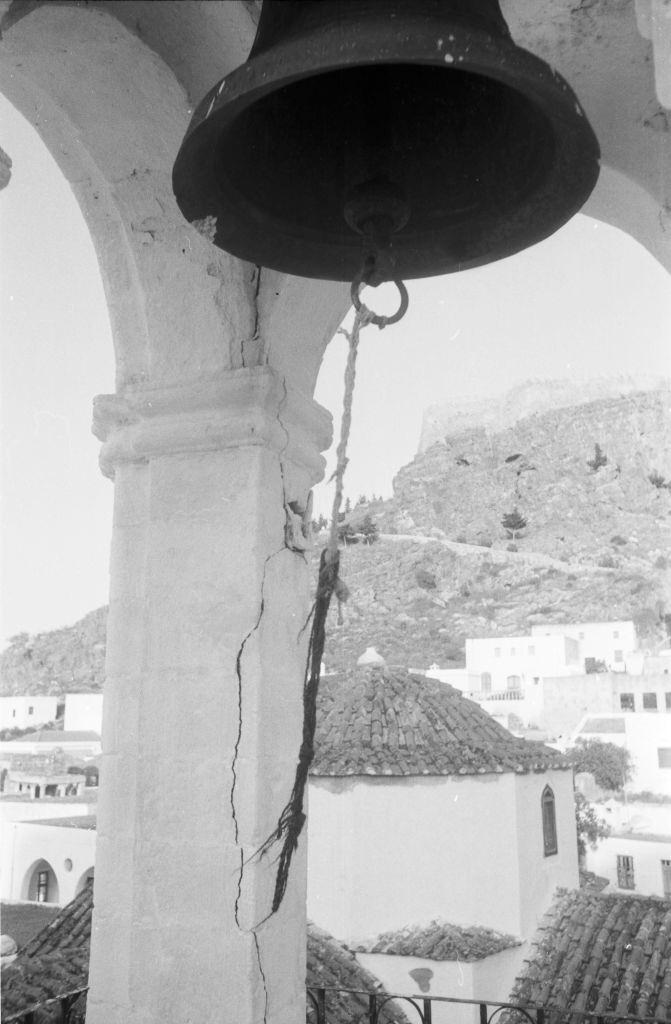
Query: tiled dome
[[382, 721]]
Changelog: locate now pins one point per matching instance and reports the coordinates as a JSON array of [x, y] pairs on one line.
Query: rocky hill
[[592, 482], [68, 660], [496, 412]]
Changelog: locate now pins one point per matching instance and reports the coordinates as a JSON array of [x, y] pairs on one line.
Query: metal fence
[[355, 1006], [335, 1006]]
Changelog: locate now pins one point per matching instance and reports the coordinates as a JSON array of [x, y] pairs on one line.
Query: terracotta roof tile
[[440, 941], [603, 953], [55, 963], [431, 729]]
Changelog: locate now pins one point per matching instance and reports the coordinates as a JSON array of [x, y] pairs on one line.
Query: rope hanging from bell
[[292, 819]]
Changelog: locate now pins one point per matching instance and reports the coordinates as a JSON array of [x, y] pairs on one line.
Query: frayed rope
[[292, 819]]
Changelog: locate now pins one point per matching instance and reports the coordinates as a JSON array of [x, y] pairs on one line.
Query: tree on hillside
[[599, 459], [513, 523], [369, 530], [589, 826], [609, 764]]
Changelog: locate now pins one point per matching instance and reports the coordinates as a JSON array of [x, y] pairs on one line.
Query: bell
[[359, 123]]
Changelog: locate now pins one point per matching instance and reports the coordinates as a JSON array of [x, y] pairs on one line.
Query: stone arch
[[40, 883], [164, 283], [86, 878]]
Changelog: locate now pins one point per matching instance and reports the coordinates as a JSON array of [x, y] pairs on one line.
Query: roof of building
[[55, 962], [592, 882], [382, 721], [55, 778], [600, 953], [605, 725], [50, 762], [641, 837], [58, 736], [440, 941], [86, 821], [87, 796], [23, 920]]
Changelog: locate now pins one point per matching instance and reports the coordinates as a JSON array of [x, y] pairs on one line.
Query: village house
[[415, 791], [47, 860], [25, 712]]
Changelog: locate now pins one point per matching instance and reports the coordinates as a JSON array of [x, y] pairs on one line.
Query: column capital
[[237, 408]]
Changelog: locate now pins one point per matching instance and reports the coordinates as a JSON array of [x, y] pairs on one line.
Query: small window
[[625, 872], [666, 878], [497, 652], [531, 649], [513, 683], [649, 701], [627, 702], [486, 682], [664, 757], [13, 712], [549, 822], [30, 709], [43, 887], [537, 680], [667, 700], [581, 636], [618, 656], [512, 650], [616, 634]]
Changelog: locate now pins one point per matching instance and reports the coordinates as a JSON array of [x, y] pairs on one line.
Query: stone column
[[210, 590]]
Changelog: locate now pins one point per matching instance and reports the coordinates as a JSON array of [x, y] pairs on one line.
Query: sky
[[587, 302]]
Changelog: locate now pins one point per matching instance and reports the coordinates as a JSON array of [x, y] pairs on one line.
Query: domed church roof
[[383, 721]]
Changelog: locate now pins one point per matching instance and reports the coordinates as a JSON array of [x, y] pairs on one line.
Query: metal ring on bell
[[377, 318]]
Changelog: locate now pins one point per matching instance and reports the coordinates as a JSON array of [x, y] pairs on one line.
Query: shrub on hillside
[[425, 579], [598, 460]]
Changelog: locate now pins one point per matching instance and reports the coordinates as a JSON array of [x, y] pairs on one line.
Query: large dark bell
[[476, 146]]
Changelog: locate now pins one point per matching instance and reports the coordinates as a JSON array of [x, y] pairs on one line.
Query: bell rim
[[482, 54]]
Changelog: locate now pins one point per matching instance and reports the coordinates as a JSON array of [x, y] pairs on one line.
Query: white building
[[48, 860], [83, 744], [413, 789], [423, 808], [636, 856], [21, 712], [83, 712], [606, 642], [513, 663]]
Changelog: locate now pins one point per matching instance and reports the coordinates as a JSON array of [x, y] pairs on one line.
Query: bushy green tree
[[609, 764], [513, 523], [369, 530], [590, 827]]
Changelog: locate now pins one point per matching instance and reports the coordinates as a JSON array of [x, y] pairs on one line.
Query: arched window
[[486, 682], [549, 822], [513, 682]]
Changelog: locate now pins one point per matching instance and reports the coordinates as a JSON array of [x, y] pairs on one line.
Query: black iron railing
[[325, 1005], [328, 1005]]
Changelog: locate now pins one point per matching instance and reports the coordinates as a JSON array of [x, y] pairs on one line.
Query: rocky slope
[[496, 412], [68, 660], [545, 465], [596, 545]]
